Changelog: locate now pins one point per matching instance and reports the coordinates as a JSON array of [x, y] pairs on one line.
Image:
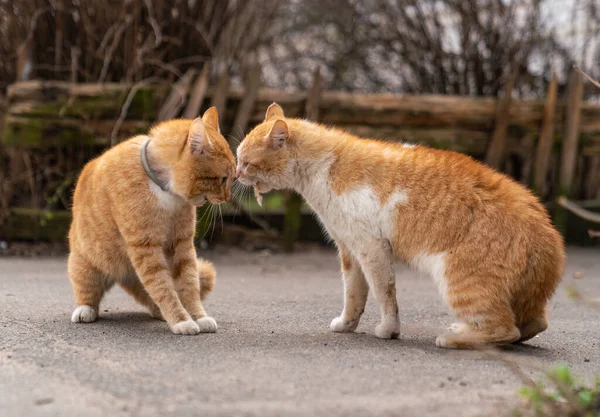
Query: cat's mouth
[[259, 189], [198, 201]]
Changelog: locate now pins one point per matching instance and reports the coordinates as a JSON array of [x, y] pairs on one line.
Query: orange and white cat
[[134, 219], [486, 240]]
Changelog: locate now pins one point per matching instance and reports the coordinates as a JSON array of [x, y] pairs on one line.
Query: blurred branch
[[125, 108], [578, 211]]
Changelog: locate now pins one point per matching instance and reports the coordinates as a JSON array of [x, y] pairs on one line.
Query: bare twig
[[113, 48], [125, 107], [590, 79], [578, 211], [177, 96], [198, 92]]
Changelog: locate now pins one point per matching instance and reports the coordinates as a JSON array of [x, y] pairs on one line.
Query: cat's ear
[[279, 134], [198, 140], [274, 111], [211, 118]]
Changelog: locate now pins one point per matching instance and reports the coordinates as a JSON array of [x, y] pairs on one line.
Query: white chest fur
[[166, 200], [356, 213]]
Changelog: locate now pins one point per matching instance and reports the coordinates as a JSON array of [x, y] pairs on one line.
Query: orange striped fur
[[127, 230], [486, 240]]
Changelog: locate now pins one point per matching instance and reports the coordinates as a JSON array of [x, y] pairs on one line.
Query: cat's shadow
[[359, 340]]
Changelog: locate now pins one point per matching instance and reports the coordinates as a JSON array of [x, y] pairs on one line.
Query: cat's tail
[[207, 273]]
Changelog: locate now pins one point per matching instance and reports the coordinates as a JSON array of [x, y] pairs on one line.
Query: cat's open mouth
[[259, 189], [257, 193]]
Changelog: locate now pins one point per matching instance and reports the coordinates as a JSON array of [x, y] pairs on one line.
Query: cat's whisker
[[241, 131], [233, 138], [221, 216], [214, 212]]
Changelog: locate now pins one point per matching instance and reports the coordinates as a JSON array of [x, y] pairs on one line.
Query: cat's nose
[[238, 172]]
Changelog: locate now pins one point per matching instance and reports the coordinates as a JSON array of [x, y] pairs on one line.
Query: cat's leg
[[486, 316], [534, 322], [134, 287], [89, 286], [187, 284], [151, 267], [356, 290], [376, 261]]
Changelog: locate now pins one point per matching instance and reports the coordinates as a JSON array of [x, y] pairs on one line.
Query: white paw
[[185, 327], [389, 328], [207, 325], [340, 325], [445, 340], [458, 328], [441, 341], [84, 314]]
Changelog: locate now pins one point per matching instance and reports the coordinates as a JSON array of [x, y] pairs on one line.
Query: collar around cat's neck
[[149, 171]]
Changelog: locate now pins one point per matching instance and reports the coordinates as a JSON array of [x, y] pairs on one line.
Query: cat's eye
[[223, 180]]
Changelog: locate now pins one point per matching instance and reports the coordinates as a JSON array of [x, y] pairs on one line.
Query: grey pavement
[[273, 354]]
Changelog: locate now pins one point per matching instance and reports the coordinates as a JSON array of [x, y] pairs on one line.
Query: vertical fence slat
[[198, 93], [544, 148], [569, 146], [495, 152], [293, 204], [176, 99], [247, 105], [219, 97]]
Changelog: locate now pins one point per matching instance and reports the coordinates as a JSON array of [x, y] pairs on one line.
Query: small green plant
[[561, 394]]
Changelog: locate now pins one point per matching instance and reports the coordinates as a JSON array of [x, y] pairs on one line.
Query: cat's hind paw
[[84, 314], [340, 325], [389, 328], [188, 327], [207, 325]]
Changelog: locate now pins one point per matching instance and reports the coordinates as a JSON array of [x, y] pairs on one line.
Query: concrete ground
[[273, 353]]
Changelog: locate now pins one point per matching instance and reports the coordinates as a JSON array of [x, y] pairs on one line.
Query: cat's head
[[266, 154], [203, 166]]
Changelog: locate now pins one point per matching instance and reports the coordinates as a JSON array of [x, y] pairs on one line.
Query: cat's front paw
[[388, 328], [185, 327], [340, 325], [207, 325], [84, 314]]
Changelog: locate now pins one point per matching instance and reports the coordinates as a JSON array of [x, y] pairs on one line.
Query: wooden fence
[[50, 129]]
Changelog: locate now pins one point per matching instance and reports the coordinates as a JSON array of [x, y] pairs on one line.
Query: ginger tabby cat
[[486, 240], [134, 219]]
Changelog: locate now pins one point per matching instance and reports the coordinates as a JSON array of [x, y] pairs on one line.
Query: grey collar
[[144, 154]]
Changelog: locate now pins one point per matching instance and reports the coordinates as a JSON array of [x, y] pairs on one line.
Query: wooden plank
[[495, 153], [30, 132], [544, 147], [36, 224]]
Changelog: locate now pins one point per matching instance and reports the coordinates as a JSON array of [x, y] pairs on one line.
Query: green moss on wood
[[22, 134], [36, 224], [33, 132], [103, 106]]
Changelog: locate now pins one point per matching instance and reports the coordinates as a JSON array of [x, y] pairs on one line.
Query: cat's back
[[97, 190]]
